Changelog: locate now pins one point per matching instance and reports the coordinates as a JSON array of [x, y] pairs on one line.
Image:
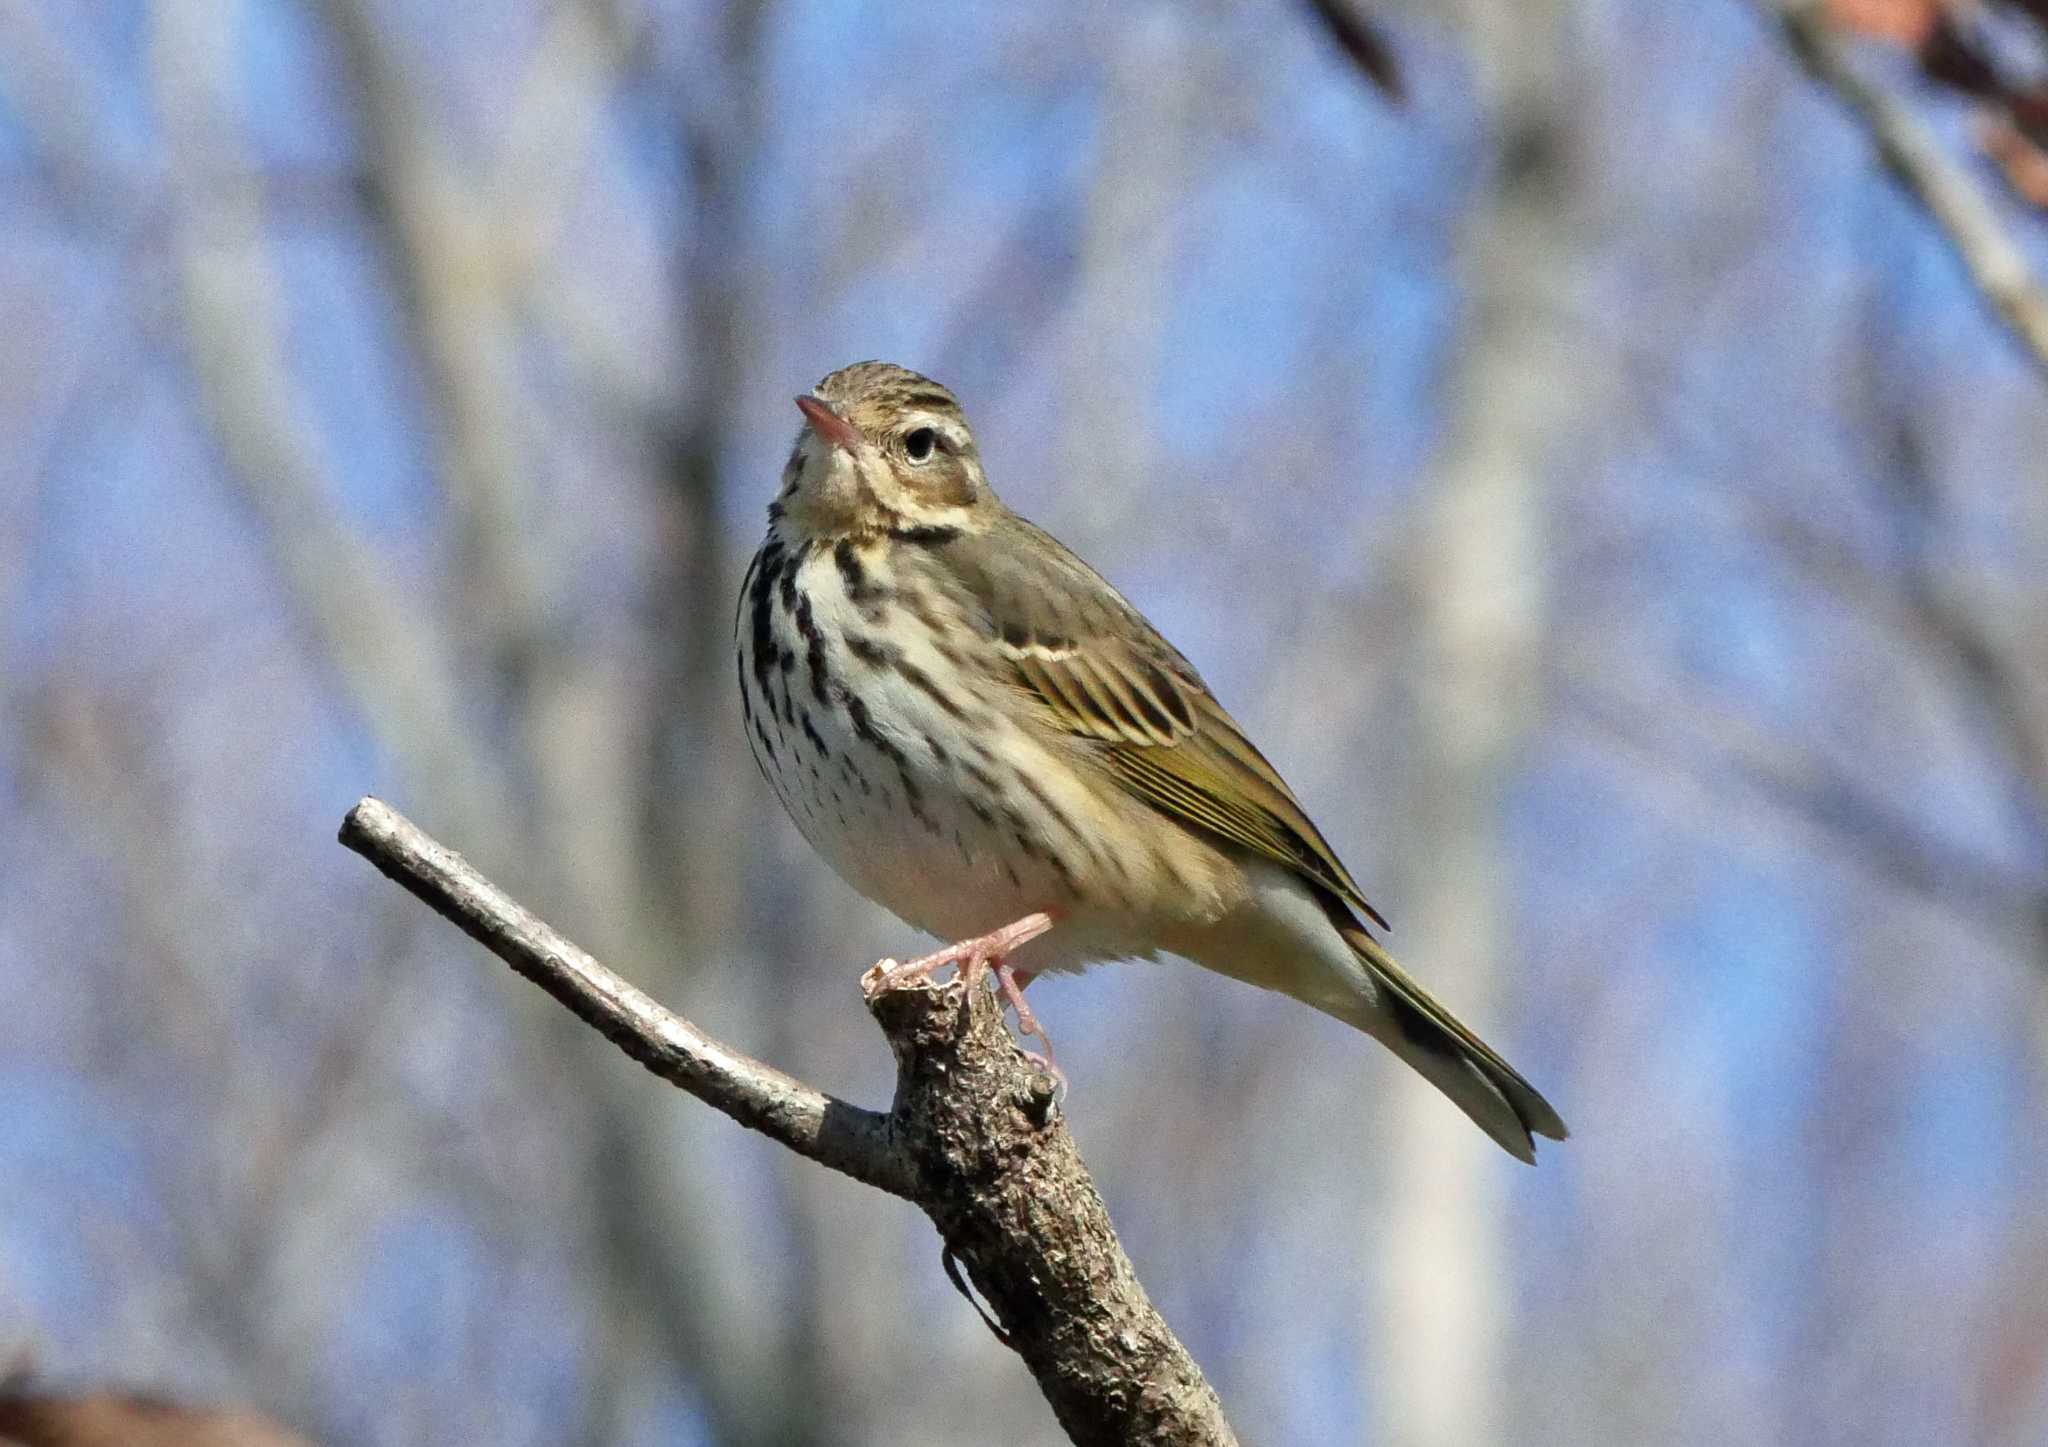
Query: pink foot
[[972, 956], [982, 954]]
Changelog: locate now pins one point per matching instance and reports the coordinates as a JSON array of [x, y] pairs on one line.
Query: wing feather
[[1103, 673]]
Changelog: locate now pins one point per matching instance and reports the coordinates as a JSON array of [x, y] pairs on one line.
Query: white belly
[[929, 798]]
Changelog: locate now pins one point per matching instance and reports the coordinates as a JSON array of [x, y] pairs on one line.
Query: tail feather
[[1453, 1059]]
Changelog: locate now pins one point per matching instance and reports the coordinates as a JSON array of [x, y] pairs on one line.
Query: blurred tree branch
[[469, 244], [1704, 761], [1996, 265], [1363, 42], [972, 1140], [2000, 677], [457, 254], [233, 306]]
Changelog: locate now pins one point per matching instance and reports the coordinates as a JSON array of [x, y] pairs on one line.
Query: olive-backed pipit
[[974, 728]]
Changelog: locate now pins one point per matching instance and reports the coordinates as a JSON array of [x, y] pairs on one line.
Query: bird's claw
[[974, 956], [984, 954]]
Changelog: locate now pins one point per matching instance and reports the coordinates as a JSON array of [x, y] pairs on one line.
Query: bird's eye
[[918, 445]]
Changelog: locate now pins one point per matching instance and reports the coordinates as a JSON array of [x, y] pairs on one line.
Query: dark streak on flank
[[1044, 799], [857, 714], [1041, 796], [915, 800], [913, 795], [923, 682], [984, 781], [873, 653], [1028, 839], [929, 535], [1062, 869], [1024, 836], [811, 733]]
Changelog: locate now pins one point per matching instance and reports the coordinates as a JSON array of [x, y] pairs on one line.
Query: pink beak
[[829, 425]]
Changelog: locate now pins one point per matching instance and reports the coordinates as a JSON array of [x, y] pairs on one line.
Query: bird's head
[[882, 450]]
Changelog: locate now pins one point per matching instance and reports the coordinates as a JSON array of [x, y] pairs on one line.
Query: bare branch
[[973, 1140], [1687, 752], [810, 1123], [1995, 264]]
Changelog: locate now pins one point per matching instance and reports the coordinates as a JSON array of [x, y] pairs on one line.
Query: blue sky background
[[1771, 848]]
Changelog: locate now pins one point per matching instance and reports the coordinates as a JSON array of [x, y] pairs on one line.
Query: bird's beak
[[829, 425]]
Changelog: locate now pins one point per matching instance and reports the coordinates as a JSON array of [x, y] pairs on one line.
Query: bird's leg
[[973, 956], [1012, 983], [982, 954]]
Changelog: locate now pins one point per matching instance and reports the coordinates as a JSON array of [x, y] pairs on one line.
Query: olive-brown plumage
[[973, 727]]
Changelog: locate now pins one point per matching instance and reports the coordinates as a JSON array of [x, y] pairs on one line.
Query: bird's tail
[[1407, 1021]]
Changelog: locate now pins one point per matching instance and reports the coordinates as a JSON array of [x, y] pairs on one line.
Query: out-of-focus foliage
[[1590, 479]]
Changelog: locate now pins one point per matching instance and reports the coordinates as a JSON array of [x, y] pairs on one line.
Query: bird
[[982, 735]]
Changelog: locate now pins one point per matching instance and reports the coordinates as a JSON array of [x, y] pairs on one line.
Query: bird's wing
[[1103, 673]]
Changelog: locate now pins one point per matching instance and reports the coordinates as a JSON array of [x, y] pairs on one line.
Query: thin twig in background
[[1363, 43], [973, 1140], [1975, 232]]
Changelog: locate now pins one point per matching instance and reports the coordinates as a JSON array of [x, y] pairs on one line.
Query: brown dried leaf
[[1905, 23], [110, 1419], [2025, 164]]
